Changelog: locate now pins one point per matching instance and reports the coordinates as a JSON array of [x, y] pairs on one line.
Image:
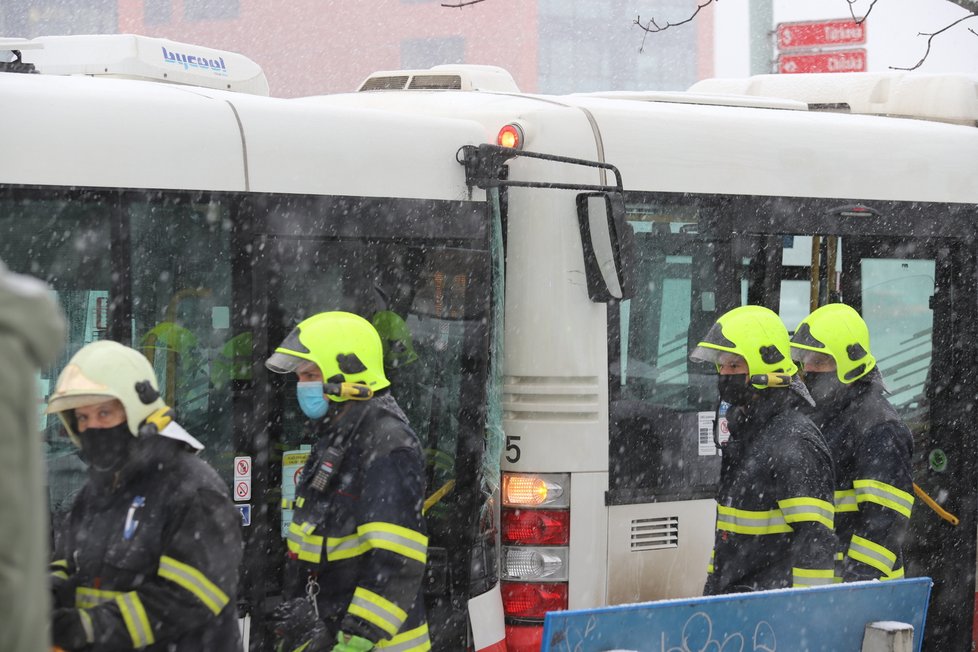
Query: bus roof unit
[[951, 98], [450, 77], [141, 57]]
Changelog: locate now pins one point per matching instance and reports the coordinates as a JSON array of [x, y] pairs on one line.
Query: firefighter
[[774, 525], [149, 555], [871, 446], [357, 545]]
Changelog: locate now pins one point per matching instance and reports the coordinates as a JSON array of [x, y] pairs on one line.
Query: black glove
[[294, 623], [67, 630]]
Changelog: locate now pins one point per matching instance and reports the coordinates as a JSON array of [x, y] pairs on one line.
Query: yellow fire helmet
[[753, 332], [103, 371], [837, 330], [345, 347]]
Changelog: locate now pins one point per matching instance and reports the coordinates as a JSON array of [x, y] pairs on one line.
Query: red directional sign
[[836, 61], [819, 34]]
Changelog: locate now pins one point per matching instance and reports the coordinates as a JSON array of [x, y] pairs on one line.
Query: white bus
[[544, 294]]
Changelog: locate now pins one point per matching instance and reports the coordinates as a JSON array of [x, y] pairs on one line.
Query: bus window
[[66, 240], [181, 287]]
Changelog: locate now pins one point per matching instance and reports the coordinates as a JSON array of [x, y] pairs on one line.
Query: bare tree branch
[[852, 10], [930, 39], [461, 4], [652, 27]]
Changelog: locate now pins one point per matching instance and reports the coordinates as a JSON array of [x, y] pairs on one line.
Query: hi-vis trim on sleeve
[[87, 625], [413, 640], [193, 580], [808, 509], [898, 574], [874, 491], [379, 535], [742, 521], [872, 554], [87, 597], [303, 543], [713, 558], [845, 501], [137, 623], [377, 610], [812, 576], [59, 569]]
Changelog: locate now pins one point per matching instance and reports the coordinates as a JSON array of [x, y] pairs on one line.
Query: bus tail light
[[535, 532], [510, 136], [536, 527], [532, 600]]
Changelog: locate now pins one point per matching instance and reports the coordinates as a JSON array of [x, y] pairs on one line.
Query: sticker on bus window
[[704, 432]]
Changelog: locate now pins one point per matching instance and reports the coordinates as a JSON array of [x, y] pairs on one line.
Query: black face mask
[[825, 388], [734, 389], [106, 449]]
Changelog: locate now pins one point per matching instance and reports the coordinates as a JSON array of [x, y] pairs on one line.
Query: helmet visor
[[289, 355], [803, 339], [713, 346]]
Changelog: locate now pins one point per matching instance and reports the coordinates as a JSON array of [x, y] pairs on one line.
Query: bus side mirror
[[609, 245]]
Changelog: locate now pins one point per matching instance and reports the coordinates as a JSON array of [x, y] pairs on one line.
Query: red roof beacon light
[[510, 136]]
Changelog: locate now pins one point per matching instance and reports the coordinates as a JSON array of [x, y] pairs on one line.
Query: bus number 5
[[512, 450]]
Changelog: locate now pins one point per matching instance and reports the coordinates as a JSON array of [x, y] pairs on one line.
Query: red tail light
[[523, 638], [537, 527], [533, 599]]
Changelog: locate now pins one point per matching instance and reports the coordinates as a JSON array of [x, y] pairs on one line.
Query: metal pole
[[761, 24]]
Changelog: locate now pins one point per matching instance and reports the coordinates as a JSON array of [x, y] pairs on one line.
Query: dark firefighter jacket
[[774, 500], [153, 562], [362, 538], [872, 449]]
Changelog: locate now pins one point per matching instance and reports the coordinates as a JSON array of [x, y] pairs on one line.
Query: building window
[[210, 9], [428, 52], [157, 12]]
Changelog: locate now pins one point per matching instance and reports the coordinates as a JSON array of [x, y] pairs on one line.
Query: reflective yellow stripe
[[895, 575], [300, 501], [60, 563], [382, 536], [303, 646], [287, 504], [871, 554], [845, 501], [811, 576], [713, 556], [193, 580], [807, 509], [61, 575], [742, 521], [87, 625], [413, 640], [87, 597], [874, 491], [377, 610], [134, 615], [303, 543]]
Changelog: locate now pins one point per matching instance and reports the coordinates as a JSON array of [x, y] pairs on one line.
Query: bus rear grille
[[540, 398], [655, 533]]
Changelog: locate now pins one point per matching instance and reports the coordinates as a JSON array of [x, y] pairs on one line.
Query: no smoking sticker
[[242, 490]]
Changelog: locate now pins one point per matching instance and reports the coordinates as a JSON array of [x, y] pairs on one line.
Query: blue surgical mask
[[311, 399]]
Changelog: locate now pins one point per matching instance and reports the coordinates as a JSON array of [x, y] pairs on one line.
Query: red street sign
[[837, 61], [816, 34]]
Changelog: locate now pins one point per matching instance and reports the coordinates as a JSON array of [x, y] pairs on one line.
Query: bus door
[[419, 271], [910, 270]]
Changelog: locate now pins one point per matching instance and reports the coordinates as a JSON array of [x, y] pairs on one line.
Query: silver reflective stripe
[[346, 544], [777, 519], [887, 495], [869, 552], [808, 509], [304, 545], [195, 581], [378, 611], [846, 501], [390, 537], [140, 637], [811, 581]]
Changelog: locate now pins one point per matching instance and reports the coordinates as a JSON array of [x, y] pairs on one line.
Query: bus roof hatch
[[951, 98], [140, 57]]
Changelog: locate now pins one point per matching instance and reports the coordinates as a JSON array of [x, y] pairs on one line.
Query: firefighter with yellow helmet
[[357, 544], [775, 515], [871, 445], [149, 555]]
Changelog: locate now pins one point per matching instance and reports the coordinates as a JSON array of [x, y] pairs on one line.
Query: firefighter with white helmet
[[149, 555], [775, 515], [871, 445], [357, 544]]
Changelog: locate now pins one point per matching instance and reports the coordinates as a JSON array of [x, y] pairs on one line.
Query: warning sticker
[[704, 433]]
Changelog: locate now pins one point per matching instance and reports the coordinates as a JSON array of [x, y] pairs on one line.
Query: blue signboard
[[245, 511], [824, 619]]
